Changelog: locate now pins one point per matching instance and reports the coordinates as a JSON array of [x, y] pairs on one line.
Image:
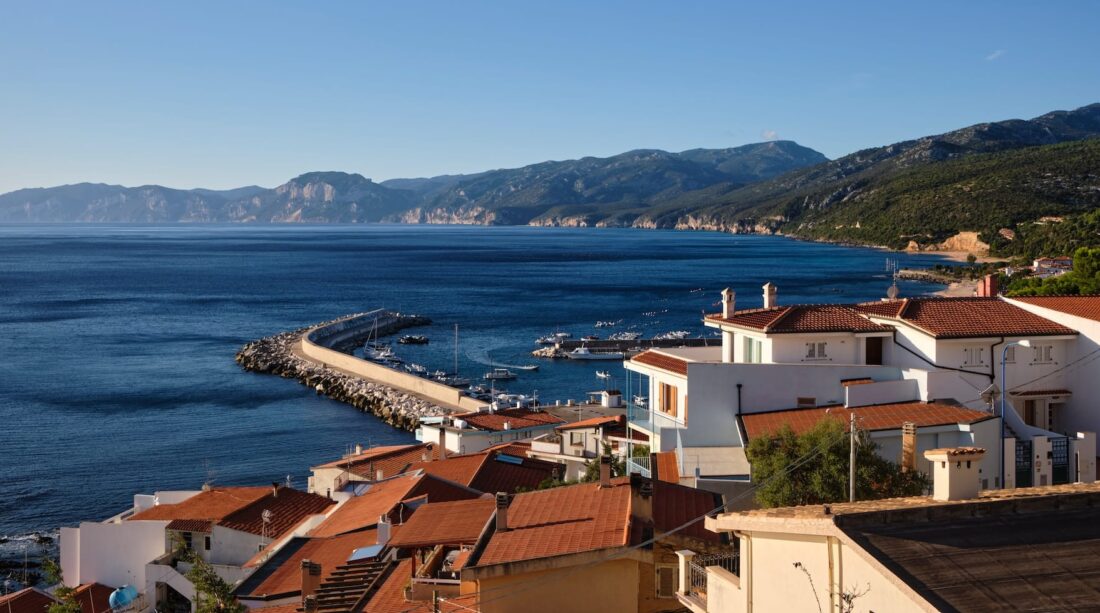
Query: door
[[874, 351]]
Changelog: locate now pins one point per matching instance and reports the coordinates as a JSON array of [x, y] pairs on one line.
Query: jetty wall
[[426, 388]]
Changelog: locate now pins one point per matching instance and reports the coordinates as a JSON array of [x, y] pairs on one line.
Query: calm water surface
[[117, 342]]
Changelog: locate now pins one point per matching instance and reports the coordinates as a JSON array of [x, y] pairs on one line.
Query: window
[[576, 438], [1042, 354], [206, 543], [974, 356], [753, 349], [186, 539], [667, 578], [669, 397], [816, 351], [1010, 355]]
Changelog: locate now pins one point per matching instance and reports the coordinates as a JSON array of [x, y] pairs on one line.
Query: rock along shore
[[277, 355]]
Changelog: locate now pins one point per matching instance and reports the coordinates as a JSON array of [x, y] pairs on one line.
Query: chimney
[[605, 471], [641, 498], [311, 580], [358, 449], [309, 604], [441, 444], [908, 447], [379, 474], [729, 302], [384, 529], [955, 472], [502, 512], [274, 489], [769, 295], [988, 286]]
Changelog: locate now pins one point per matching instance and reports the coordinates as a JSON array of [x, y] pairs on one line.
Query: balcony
[[705, 575], [641, 465]]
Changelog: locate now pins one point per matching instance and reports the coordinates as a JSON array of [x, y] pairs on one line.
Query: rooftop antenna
[[289, 482], [893, 291], [209, 473], [267, 516]]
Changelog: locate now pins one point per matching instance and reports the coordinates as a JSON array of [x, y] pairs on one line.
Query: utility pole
[[852, 456]]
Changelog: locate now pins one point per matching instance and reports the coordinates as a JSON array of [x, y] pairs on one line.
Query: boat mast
[[456, 350]]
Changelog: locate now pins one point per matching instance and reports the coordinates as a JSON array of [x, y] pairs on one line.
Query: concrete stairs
[[349, 586]]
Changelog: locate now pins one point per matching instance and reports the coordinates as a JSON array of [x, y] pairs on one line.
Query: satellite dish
[[892, 292], [267, 516]]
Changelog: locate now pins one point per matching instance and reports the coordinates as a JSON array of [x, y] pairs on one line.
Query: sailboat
[[453, 379]]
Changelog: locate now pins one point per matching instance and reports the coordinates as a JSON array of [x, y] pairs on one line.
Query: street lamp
[[1004, 396]]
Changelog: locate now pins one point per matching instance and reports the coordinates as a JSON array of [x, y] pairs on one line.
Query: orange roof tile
[[517, 419], [390, 597], [288, 507], [364, 510], [1087, 307], [211, 505], [877, 417], [190, 525], [668, 468], [594, 422], [281, 575], [391, 460], [662, 361], [486, 472], [27, 600], [965, 317], [802, 318], [94, 597], [518, 449], [445, 523], [279, 608]]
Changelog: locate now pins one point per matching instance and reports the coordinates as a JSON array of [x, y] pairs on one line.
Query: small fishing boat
[[413, 339], [603, 374], [590, 337], [416, 369], [455, 381], [625, 336], [608, 324], [583, 353], [675, 335], [528, 367], [547, 340], [499, 374], [561, 335]]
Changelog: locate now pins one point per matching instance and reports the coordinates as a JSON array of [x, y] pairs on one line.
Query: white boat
[[379, 354], [675, 335], [583, 353], [561, 335], [603, 374], [456, 381], [641, 402], [416, 369], [500, 374], [547, 340], [528, 367], [625, 336]]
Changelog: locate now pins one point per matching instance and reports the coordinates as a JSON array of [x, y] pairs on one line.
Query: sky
[[225, 94]]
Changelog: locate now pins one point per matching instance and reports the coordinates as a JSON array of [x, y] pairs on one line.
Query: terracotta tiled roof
[[965, 317], [212, 504], [662, 361], [391, 460], [668, 468], [390, 597], [594, 422], [288, 507], [517, 419], [485, 471], [93, 598], [190, 525], [876, 417], [1080, 306], [279, 608], [445, 523], [281, 575], [381, 498], [518, 449], [1039, 393], [28, 600], [586, 517], [804, 318]]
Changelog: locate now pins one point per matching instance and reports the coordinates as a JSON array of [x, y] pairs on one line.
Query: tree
[[212, 593], [592, 467], [1083, 279], [66, 596], [812, 468]]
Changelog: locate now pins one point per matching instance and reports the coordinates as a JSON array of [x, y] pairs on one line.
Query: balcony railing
[[696, 584], [640, 465]]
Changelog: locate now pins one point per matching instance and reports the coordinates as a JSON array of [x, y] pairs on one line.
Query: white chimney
[[502, 512], [383, 530], [769, 295], [441, 444], [955, 472], [729, 302], [358, 449], [379, 475]]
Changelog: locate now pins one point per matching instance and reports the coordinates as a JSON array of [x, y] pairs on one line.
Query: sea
[[117, 341]]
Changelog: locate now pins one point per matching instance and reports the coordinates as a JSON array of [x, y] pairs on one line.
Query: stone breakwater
[[278, 355]]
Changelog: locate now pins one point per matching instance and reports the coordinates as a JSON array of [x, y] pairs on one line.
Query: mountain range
[[994, 183]]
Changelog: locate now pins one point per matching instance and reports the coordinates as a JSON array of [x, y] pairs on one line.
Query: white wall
[[881, 392], [113, 554], [232, 547], [839, 348]]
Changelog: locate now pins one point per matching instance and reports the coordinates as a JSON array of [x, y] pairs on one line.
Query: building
[[364, 465], [916, 353], [478, 431], [958, 550], [575, 444]]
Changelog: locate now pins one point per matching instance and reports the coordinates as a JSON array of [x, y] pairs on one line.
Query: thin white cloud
[[769, 134], [996, 54]]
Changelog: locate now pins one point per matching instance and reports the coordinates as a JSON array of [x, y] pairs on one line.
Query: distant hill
[[510, 196]]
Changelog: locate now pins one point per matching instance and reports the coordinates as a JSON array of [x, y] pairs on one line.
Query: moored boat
[[584, 353]]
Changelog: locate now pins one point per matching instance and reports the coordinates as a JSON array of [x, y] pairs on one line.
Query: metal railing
[[697, 571], [640, 465]]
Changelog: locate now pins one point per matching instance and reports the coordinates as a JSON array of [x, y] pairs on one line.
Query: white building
[[914, 353], [473, 432]]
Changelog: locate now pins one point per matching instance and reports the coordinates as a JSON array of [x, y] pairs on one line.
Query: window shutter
[[666, 581]]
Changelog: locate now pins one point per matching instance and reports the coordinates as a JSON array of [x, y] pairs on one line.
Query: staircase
[[350, 586]]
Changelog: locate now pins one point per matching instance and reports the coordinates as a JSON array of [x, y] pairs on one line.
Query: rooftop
[[390, 597], [517, 419], [497, 469], [801, 318], [383, 497], [595, 422], [875, 417], [210, 505], [27, 600], [391, 460], [239, 508], [445, 523], [664, 361], [1087, 307], [288, 507], [93, 597], [965, 317], [281, 575]]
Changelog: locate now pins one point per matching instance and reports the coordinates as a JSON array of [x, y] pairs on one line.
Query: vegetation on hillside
[[1084, 279]]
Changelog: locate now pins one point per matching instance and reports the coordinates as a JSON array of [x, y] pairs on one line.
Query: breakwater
[[282, 354]]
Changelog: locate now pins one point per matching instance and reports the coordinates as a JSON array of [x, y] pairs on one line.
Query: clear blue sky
[[222, 94]]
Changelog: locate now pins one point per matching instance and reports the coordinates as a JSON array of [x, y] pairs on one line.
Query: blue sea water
[[117, 342]]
